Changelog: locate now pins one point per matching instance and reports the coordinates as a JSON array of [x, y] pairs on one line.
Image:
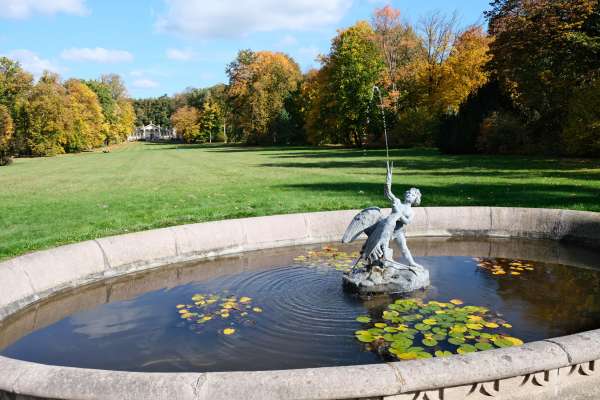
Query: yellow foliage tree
[[259, 83], [86, 121], [186, 120], [6, 131], [46, 115], [125, 122], [464, 70]]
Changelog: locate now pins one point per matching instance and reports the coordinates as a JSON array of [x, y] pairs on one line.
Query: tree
[[15, 83], [259, 84], [464, 70], [117, 108], [125, 123], [543, 51], [210, 121], [320, 117], [439, 33], [154, 110], [353, 66], [186, 121], [45, 117], [86, 121], [400, 47], [581, 132], [6, 132], [117, 87]]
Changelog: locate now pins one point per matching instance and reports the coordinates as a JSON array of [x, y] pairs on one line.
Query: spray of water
[[376, 88]]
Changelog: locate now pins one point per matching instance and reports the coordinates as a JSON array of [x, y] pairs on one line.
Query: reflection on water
[[305, 318]]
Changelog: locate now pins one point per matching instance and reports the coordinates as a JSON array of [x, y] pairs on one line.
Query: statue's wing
[[364, 221], [375, 240]]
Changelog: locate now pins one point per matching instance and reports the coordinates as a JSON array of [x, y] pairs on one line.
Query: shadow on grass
[[512, 195]]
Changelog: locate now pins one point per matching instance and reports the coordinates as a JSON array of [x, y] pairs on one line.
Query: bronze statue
[[381, 273]]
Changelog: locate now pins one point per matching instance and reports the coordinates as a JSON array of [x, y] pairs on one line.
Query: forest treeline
[[52, 117], [528, 83]]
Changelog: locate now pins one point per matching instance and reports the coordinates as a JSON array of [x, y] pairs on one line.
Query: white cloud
[[288, 40], [31, 62], [20, 9], [145, 83], [98, 54], [179, 54], [235, 18]]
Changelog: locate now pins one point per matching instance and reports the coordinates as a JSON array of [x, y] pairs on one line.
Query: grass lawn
[[45, 202]]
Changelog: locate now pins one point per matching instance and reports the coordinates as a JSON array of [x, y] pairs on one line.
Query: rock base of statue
[[386, 277]]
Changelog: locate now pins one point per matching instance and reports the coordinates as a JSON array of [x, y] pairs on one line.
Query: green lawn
[[50, 201]]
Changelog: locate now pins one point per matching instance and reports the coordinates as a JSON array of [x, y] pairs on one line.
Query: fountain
[[253, 308], [381, 274]]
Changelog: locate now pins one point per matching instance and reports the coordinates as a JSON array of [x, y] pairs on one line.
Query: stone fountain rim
[[26, 280]]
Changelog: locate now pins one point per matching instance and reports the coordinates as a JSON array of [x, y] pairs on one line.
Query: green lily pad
[[484, 346]]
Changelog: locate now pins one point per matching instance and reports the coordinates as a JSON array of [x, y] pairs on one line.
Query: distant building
[[153, 133]]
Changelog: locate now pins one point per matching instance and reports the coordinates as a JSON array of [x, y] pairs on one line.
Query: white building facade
[[153, 133]]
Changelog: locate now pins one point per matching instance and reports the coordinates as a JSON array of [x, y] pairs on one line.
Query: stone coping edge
[[32, 277]]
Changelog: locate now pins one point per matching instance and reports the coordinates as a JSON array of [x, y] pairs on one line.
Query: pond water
[[285, 308]]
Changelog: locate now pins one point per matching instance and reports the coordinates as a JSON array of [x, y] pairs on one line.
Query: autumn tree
[[464, 71], [543, 52], [400, 47], [86, 121], [259, 83], [115, 84], [438, 33], [117, 108], [45, 116], [353, 66], [210, 121], [6, 132], [15, 83], [581, 132], [186, 121]]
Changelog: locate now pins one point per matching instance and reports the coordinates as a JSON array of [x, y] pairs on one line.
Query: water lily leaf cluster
[[328, 257], [411, 329], [504, 267], [231, 311]]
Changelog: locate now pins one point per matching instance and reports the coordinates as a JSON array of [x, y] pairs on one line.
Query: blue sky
[[164, 46]]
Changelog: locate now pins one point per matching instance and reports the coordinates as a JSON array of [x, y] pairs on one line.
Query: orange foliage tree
[[259, 84]]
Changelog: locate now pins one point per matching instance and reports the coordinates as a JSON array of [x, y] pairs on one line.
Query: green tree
[[117, 108], [353, 67], [15, 83], [154, 110]]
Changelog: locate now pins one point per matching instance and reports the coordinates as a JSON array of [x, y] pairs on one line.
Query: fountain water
[[381, 274]]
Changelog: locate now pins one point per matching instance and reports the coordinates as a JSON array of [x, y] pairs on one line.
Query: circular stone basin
[[285, 309]]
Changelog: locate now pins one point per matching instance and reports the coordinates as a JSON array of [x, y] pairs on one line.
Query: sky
[[164, 46]]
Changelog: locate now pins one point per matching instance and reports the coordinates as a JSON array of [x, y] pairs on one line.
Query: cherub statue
[[376, 251]]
